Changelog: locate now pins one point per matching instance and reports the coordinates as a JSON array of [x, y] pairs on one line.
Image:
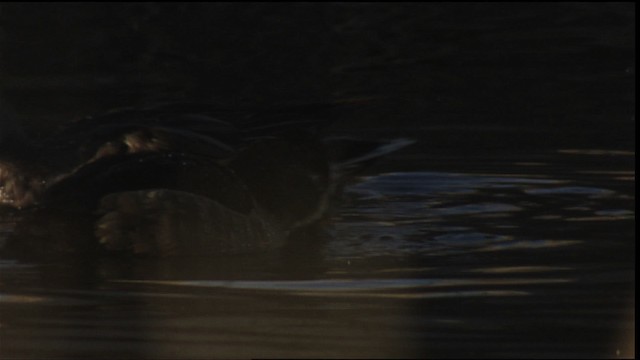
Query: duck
[[176, 179]]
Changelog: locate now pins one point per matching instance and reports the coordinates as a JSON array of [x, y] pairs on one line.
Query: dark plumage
[[176, 179]]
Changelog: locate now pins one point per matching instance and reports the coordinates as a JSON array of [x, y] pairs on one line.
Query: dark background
[[464, 75], [491, 88]]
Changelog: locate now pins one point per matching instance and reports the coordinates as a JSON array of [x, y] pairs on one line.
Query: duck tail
[[349, 155]]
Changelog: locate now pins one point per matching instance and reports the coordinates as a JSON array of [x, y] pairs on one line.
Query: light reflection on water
[[420, 212], [417, 263], [351, 286]]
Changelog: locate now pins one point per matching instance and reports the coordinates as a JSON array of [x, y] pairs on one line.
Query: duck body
[[171, 180]]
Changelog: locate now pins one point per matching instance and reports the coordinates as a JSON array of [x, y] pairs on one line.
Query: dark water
[[528, 259], [507, 231]]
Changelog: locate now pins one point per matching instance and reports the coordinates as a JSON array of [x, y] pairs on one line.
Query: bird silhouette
[[179, 179]]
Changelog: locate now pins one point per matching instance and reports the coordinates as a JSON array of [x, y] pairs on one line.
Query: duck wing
[[128, 132], [166, 223], [139, 203], [196, 174], [198, 128]]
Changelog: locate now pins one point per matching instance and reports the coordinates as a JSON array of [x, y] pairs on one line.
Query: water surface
[[534, 260], [506, 231]]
